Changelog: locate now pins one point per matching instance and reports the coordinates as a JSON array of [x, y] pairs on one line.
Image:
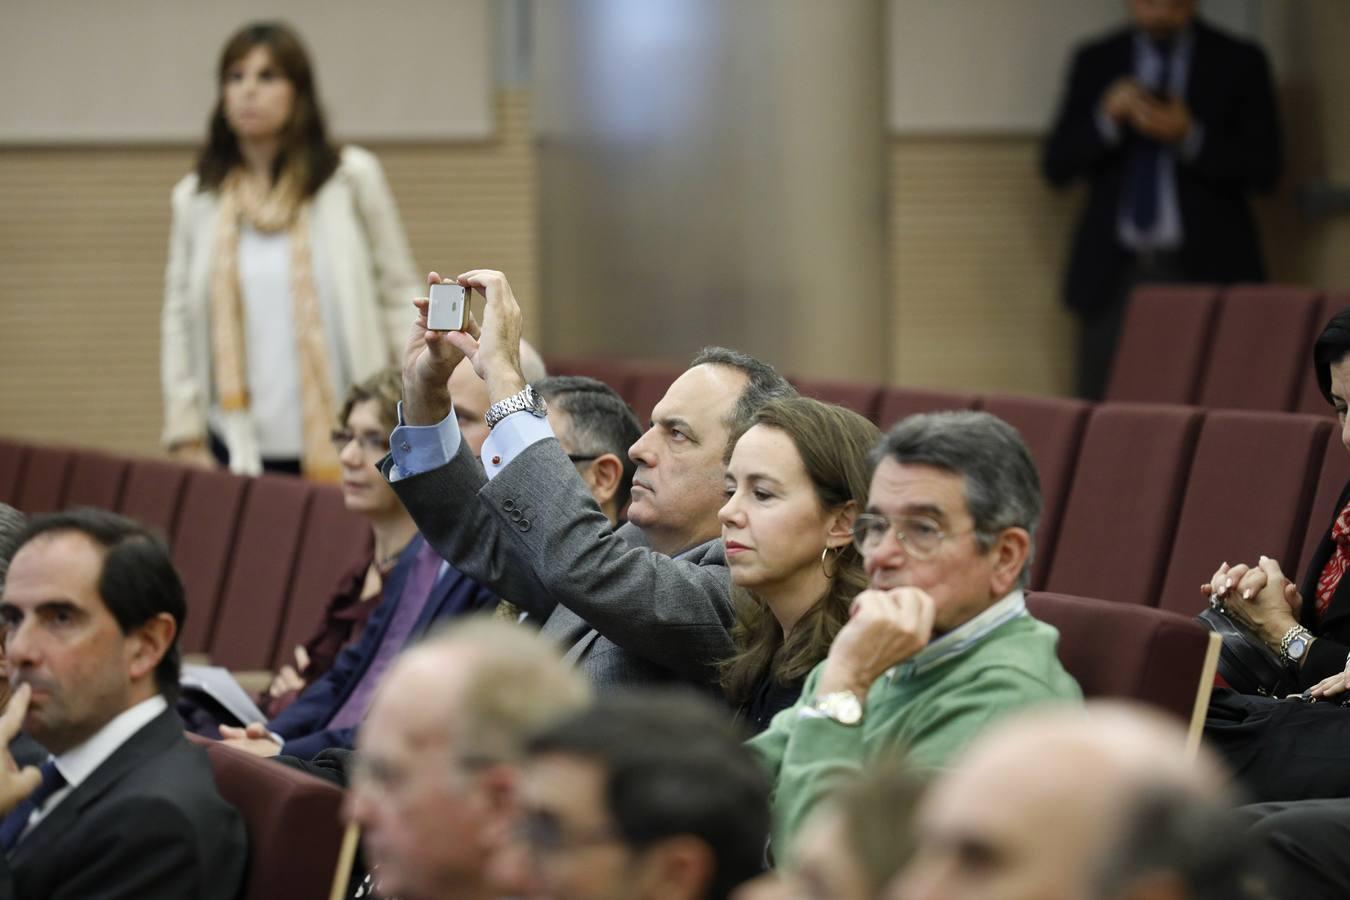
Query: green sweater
[[926, 709]]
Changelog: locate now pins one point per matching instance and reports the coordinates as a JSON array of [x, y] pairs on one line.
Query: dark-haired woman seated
[[1308, 627], [795, 481]]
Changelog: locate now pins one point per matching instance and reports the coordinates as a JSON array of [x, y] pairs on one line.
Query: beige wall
[[976, 248], [83, 237]]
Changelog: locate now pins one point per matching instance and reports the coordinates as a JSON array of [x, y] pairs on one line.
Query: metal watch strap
[[1297, 631], [522, 401]]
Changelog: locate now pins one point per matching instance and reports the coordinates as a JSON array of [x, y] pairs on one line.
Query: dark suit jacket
[[148, 823], [1327, 654], [1229, 92], [304, 724], [624, 613]]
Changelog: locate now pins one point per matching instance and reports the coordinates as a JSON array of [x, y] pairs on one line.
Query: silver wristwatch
[[1294, 644], [843, 707], [525, 401]]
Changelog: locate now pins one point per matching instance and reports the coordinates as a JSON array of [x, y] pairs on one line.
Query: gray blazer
[[624, 613]]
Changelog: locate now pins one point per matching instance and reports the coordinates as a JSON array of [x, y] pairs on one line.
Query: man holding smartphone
[[648, 602]]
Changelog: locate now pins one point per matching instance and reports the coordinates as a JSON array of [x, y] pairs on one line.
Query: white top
[[78, 763], [272, 359]]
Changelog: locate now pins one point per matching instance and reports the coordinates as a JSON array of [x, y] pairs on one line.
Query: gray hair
[[517, 684], [600, 421], [1001, 485], [763, 384], [11, 524]]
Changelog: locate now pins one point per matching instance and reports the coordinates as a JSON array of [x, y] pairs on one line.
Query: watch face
[[1297, 647]]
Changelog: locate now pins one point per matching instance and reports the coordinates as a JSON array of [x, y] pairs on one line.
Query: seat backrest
[[1310, 399], [1131, 652], [153, 494], [613, 372], [334, 540], [203, 540], [1052, 429], [293, 824], [1163, 344], [1117, 526], [258, 580], [13, 458], [897, 403], [45, 477], [864, 399], [1248, 495], [1259, 348], [1331, 480], [96, 479], [646, 390]]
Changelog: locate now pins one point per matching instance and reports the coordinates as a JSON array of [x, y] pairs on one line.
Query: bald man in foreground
[[1097, 804]]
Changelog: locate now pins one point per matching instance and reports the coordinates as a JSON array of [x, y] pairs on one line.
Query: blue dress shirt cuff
[[421, 448], [509, 439], [1107, 129]]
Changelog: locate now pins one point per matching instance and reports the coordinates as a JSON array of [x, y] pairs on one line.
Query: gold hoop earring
[[823, 554]]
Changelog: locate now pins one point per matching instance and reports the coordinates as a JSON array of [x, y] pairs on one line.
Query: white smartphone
[[449, 307]]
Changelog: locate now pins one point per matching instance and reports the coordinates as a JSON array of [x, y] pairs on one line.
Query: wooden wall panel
[[977, 248], [83, 241]]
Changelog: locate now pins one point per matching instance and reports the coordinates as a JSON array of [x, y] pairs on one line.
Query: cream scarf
[[244, 199]]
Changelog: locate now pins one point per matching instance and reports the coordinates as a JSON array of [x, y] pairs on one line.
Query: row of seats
[[1244, 347], [259, 557], [1142, 500]]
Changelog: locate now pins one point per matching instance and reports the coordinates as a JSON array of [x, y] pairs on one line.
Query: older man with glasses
[[941, 643]]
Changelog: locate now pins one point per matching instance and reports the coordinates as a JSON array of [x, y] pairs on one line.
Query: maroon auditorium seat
[[864, 399], [1310, 399], [1052, 429], [258, 583], [616, 373], [1259, 348], [1125, 651], [153, 494], [1163, 344], [203, 539], [96, 479], [897, 403], [45, 477], [1331, 480], [1117, 526], [1249, 491], [292, 820], [13, 457], [647, 389], [334, 541]]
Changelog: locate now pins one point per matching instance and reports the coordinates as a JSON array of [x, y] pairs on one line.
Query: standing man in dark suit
[[649, 602], [126, 807], [1173, 123]]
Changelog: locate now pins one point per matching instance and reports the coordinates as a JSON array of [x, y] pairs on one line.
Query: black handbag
[[1246, 663]]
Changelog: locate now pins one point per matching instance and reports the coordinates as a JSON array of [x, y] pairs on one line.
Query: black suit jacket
[[147, 824], [1229, 92], [1327, 654]]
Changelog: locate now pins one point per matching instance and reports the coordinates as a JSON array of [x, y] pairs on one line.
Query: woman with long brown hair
[[795, 480], [289, 274]]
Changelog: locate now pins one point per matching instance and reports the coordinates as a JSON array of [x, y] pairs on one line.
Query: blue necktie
[[1146, 157], [14, 823]]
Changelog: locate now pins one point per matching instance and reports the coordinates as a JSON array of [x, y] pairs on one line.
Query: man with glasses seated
[[941, 643]]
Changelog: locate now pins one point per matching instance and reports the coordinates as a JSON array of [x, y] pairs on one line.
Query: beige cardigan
[[374, 282]]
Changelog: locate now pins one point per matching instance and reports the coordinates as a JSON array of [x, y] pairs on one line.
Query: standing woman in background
[[276, 231]]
